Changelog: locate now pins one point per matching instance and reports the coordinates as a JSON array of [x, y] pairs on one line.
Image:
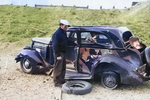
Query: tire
[[26, 66], [109, 80], [77, 87]]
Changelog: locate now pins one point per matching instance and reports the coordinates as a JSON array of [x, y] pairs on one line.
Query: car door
[[93, 45], [72, 49]]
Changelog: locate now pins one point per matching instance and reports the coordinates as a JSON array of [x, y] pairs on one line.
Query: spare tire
[[77, 87], [147, 56]]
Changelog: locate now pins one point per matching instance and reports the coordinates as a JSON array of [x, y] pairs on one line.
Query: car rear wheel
[[26, 66], [110, 80]]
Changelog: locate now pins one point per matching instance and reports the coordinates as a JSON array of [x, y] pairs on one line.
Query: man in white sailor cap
[[59, 44]]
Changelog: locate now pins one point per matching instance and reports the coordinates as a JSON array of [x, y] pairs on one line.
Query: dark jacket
[[59, 42], [90, 61]]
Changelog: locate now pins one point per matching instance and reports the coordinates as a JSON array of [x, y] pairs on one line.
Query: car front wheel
[[26, 66], [110, 80]]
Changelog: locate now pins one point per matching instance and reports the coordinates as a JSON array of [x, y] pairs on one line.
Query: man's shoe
[[58, 85]]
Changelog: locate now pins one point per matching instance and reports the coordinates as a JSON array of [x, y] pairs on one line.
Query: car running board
[[72, 74]]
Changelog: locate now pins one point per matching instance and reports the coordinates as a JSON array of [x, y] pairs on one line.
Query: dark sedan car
[[111, 53]]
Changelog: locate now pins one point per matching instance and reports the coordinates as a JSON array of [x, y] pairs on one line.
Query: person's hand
[[59, 58], [94, 37], [75, 42]]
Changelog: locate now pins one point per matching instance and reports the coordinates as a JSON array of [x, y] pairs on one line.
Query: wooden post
[[87, 6], [100, 7]]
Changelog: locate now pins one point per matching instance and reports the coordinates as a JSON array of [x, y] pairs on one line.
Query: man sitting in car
[[90, 59]]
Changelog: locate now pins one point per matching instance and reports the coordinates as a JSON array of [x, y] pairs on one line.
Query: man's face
[[64, 27]]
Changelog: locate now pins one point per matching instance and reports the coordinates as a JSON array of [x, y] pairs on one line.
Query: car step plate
[[72, 74]]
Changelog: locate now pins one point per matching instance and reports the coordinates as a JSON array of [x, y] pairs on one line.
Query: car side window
[[85, 36], [68, 34], [75, 35], [39, 45], [102, 39], [92, 37], [72, 35]]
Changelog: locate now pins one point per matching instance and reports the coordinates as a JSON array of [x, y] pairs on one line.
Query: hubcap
[[110, 81], [27, 64]]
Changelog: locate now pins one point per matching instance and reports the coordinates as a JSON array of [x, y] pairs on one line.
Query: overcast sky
[[93, 4]]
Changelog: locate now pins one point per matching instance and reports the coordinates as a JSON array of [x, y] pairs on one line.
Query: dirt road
[[16, 85]]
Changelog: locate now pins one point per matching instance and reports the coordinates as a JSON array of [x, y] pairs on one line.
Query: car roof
[[118, 31], [112, 31]]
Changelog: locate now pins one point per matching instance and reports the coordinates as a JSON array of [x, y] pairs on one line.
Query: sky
[[93, 4]]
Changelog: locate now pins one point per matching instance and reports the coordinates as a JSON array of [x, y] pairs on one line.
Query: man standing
[[59, 44]]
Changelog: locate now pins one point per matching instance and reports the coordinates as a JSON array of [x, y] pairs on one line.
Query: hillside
[[138, 21], [18, 23]]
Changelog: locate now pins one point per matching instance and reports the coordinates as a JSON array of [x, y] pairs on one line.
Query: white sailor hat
[[63, 21]]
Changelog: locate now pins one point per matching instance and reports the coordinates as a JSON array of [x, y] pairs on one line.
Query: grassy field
[[21, 23]]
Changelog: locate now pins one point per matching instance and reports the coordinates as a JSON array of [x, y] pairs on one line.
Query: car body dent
[[39, 65], [122, 67]]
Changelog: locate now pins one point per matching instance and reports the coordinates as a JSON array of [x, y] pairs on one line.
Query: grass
[[20, 23]]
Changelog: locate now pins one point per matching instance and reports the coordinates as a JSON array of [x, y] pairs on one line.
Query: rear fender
[[119, 66]]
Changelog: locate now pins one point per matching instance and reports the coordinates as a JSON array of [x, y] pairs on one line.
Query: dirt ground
[[16, 85]]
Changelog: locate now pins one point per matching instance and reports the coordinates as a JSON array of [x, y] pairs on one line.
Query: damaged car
[[109, 52]]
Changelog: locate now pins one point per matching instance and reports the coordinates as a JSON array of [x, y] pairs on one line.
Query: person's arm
[[56, 46], [70, 41]]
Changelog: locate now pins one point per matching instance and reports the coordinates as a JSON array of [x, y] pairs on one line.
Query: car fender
[[118, 65], [33, 54]]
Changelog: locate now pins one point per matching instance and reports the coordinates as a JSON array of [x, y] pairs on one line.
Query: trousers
[[59, 70]]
